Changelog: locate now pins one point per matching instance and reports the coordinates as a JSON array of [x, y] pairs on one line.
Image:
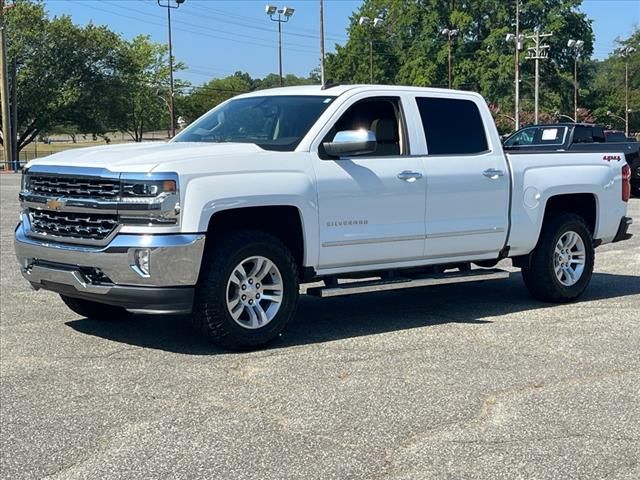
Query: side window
[[551, 135], [451, 126], [523, 137], [582, 134], [383, 117]]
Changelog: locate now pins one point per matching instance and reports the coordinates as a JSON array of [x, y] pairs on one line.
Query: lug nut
[[251, 281], [244, 297], [257, 295], [257, 285], [250, 302], [244, 287]]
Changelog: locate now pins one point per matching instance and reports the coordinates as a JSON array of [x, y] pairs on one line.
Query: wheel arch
[[284, 222], [583, 204]]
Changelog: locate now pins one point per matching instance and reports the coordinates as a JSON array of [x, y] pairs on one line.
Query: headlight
[[146, 189], [149, 199]]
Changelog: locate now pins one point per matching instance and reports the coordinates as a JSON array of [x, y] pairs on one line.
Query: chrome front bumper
[[110, 274]]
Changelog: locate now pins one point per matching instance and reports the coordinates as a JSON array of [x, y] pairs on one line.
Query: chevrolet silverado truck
[[354, 188]]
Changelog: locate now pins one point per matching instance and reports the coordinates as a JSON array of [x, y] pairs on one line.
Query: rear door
[[467, 179]]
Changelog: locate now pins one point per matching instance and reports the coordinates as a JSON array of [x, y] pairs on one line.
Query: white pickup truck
[[387, 187]]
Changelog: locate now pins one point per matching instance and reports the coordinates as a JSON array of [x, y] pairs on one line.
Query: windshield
[[271, 122]]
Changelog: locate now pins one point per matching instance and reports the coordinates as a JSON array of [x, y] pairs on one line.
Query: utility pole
[[14, 114], [172, 120], [518, 40], [169, 6], [450, 33], [626, 52], [576, 46], [4, 89], [537, 53], [322, 78]]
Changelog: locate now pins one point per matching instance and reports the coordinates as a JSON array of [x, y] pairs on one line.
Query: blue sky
[[218, 37]]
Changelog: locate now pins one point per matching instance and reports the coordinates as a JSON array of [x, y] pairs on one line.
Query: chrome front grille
[[70, 187], [72, 226]]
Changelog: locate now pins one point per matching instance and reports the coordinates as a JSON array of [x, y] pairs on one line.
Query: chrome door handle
[[409, 176], [493, 173]]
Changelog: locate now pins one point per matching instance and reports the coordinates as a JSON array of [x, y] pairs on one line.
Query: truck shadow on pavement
[[324, 320]]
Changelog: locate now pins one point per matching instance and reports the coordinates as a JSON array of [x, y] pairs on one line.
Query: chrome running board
[[367, 286]]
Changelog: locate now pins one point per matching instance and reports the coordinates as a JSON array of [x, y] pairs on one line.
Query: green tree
[[195, 101], [66, 75], [608, 92], [410, 49], [198, 100], [142, 104]]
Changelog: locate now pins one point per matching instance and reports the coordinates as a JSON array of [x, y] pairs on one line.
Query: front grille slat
[[93, 226], [99, 189]]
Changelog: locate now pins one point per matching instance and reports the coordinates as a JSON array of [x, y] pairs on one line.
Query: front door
[[372, 207]]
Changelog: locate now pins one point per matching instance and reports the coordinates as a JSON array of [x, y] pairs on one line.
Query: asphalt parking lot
[[455, 382]]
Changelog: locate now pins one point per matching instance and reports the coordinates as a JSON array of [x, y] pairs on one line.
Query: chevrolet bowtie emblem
[[55, 204]]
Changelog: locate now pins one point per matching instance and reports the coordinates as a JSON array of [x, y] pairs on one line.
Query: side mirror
[[351, 143]]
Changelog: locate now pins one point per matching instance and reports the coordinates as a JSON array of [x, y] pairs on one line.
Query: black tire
[[95, 310], [635, 191], [211, 315], [540, 277]]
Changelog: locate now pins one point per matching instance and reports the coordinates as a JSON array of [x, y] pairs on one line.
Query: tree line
[[410, 49], [89, 80]]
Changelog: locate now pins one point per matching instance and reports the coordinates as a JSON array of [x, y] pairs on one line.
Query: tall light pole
[[322, 79], [284, 14], [576, 46], [625, 120], [537, 53], [4, 89], [375, 23], [169, 6], [450, 33], [518, 40], [626, 51], [559, 116]]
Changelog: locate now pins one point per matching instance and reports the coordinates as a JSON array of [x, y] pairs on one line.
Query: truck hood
[[141, 157]]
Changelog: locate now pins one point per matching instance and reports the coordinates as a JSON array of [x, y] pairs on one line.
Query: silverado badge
[[55, 203]]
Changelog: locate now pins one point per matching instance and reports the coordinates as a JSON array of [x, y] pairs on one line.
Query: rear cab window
[[452, 126]]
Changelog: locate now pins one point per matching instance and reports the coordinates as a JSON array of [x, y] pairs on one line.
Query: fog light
[[142, 259]]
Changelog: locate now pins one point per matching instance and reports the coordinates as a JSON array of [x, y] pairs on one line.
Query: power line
[[261, 42]]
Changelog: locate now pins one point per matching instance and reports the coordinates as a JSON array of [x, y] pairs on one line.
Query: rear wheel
[[247, 292], [95, 310], [562, 263]]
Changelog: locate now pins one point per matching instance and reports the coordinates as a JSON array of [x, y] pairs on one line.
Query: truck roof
[[336, 90]]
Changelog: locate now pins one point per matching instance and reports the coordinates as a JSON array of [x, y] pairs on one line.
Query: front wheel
[[562, 263], [247, 292]]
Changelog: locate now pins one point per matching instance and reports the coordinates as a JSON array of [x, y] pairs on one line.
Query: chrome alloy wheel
[[569, 258], [254, 292]]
